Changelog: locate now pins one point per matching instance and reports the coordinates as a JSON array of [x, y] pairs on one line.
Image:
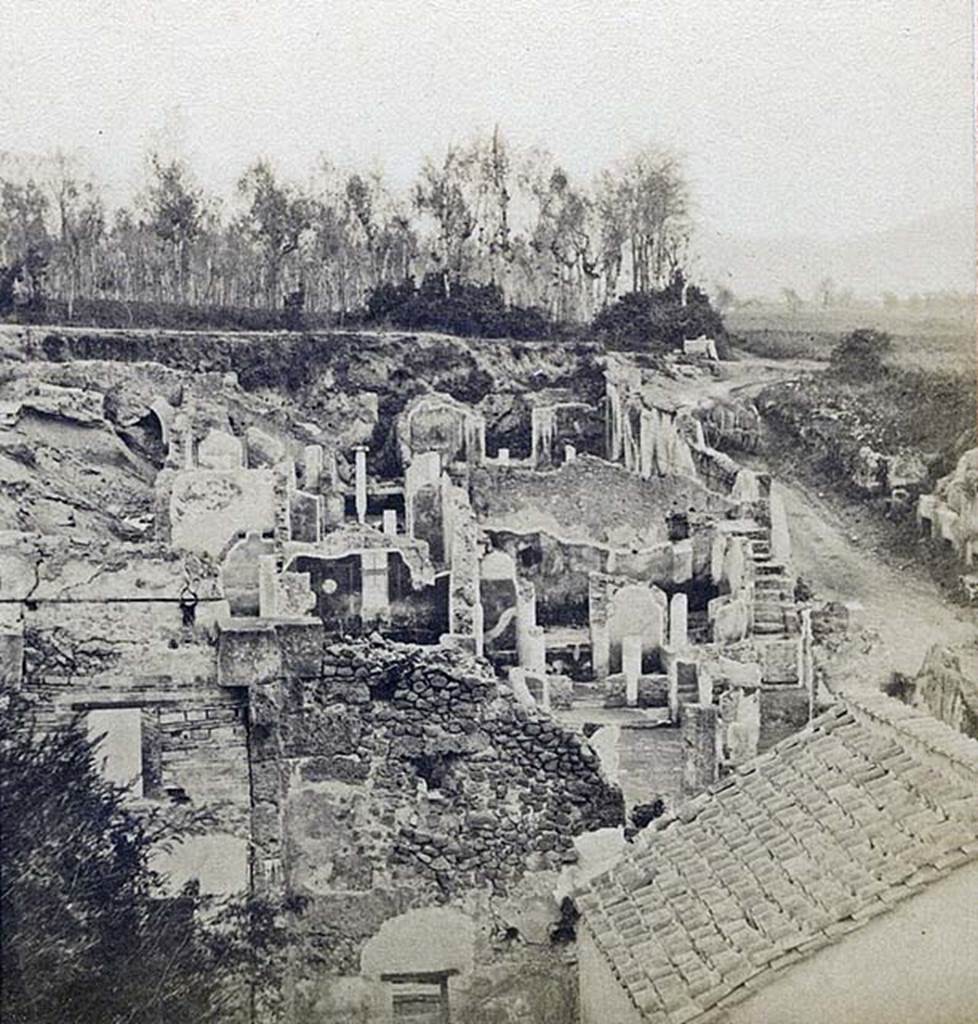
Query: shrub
[[87, 930], [658, 320], [859, 355], [471, 310]]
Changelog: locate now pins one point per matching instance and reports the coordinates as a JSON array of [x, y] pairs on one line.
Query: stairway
[[774, 612]]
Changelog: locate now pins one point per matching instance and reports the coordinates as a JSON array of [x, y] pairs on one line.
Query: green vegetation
[[501, 239], [88, 933], [928, 336], [860, 354]]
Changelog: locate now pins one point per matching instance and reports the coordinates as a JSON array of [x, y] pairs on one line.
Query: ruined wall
[[946, 691], [589, 499], [127, 641], [389, 778], [951, 512]]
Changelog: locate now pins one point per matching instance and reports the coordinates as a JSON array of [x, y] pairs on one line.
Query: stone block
[[263, 449], [247, 656], [220, 451]]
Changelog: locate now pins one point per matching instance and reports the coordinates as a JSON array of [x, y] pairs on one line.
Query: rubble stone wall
[[389, 777]]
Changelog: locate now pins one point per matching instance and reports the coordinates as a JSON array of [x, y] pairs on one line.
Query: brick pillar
[[698, 725]]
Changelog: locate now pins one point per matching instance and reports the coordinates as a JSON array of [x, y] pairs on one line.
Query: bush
[[470, 310], [859, 355], [87, 931], [658, 320], [172, 316]]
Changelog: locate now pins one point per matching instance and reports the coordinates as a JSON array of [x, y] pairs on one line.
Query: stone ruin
[[950, 513], [417, 692]]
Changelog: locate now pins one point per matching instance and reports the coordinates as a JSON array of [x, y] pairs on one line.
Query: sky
[[820, 118]]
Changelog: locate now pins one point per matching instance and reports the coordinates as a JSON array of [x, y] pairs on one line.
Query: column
[[535, 652], [360, 456], [678, 619], [329, 468], [503, 457], [600, 649], [390, 522], [526, 616], [376, 594], [479, 628], [631, 666], [312, 458], [570, 453]]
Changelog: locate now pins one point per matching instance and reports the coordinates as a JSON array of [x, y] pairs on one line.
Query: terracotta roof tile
[[786, 855]]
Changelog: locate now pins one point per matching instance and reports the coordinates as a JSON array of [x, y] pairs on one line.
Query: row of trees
[[484, 214]]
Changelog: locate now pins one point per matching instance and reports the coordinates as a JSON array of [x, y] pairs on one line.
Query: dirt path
[[895, 614], [896, 611]]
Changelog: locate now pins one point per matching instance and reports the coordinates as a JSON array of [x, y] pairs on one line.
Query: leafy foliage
[[87, 932], [860, 354], [658, 319], [482, 212], [460, 308]]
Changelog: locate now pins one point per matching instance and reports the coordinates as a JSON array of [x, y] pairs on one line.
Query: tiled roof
[[827, 830]]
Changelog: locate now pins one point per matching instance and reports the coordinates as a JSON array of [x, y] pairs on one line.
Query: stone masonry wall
[[389, 777]]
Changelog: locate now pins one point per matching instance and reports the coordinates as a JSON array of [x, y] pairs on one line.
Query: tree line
[[485, 214]]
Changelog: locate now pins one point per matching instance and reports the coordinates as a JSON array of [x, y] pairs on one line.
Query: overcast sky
[[828, 117]]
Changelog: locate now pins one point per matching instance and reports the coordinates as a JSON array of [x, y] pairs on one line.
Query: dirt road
[[896, 611], [895, 614]]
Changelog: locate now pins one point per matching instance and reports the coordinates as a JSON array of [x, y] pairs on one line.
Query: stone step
[[770, 629]]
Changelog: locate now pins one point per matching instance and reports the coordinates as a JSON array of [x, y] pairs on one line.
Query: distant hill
[[930, 254]]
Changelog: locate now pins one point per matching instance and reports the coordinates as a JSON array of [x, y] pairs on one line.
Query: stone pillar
[[375, 583], [390, 522], [678, 618], [478, 628], [570, 453], [330, 471], [600, 649], [672, 673], [267, 590], [312, 459], [718, 550], [698, 735], [526, 617], [535, 652], [631, 666], [503, 457], [360, 455]]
